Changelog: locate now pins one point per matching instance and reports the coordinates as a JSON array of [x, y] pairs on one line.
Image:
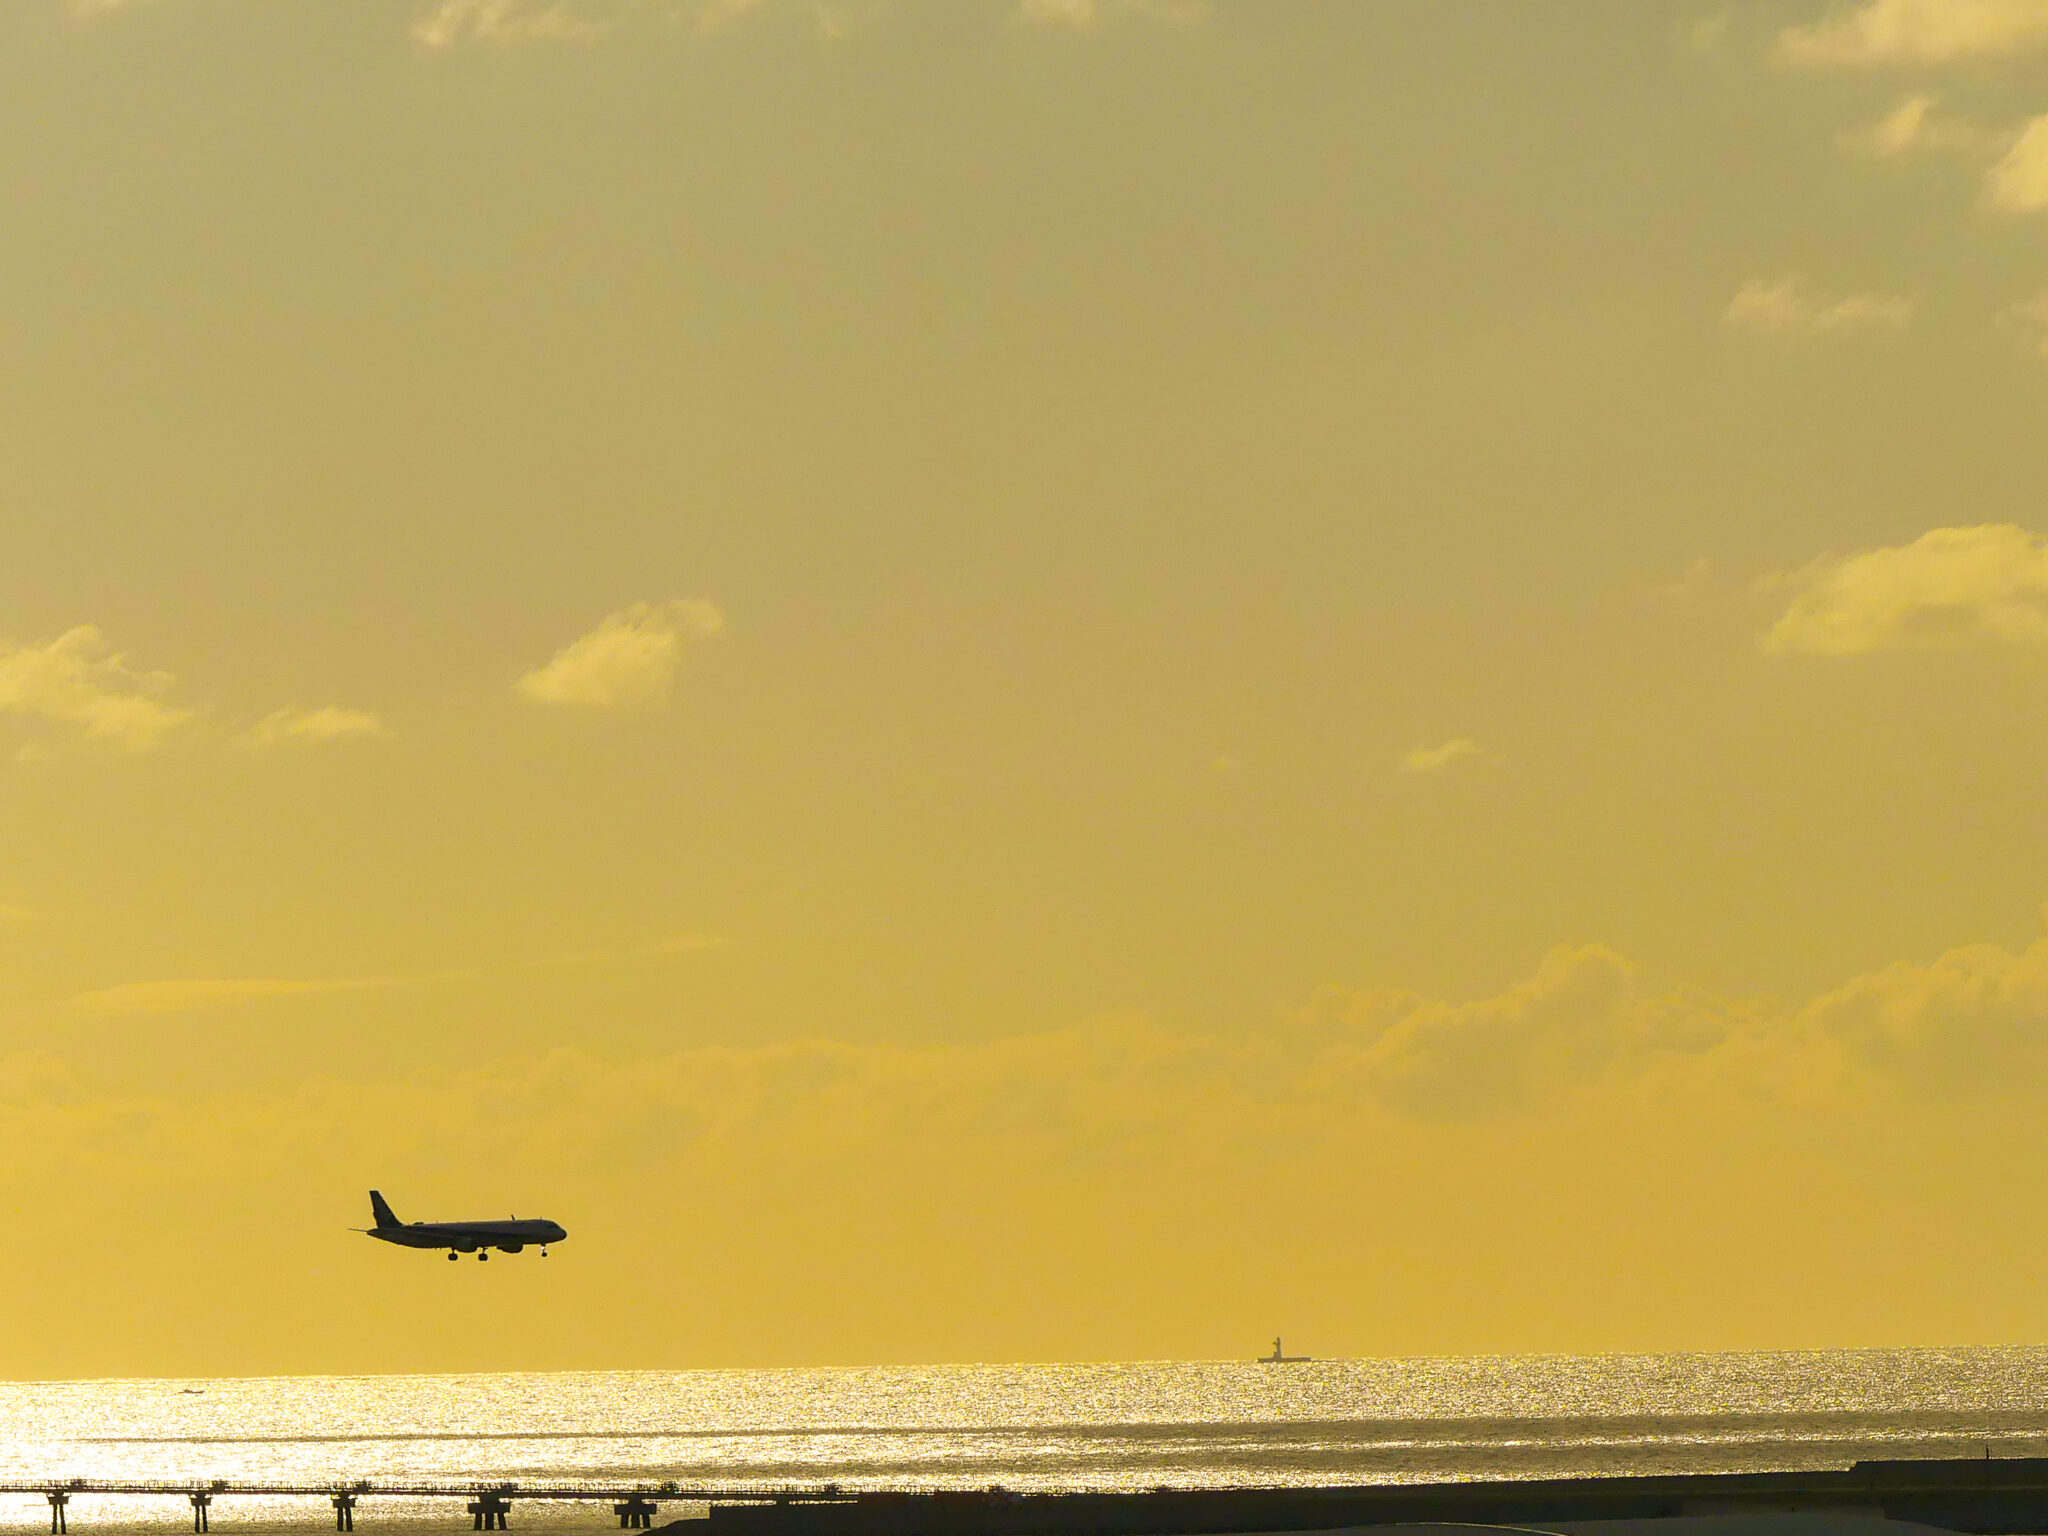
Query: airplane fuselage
[[469, 1236], [459, 1237]]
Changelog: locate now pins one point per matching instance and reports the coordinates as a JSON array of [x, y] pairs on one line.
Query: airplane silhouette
[[460, 1237]]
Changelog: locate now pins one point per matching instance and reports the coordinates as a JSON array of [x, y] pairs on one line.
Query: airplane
[[460, 1237]]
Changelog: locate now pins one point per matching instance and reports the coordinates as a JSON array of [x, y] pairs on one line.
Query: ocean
[[1097, 1426]]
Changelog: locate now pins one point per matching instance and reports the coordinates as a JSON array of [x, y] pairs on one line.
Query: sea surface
[[1101, 1426]]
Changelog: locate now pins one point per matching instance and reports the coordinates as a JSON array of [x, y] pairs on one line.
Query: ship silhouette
[[1281, 1357]]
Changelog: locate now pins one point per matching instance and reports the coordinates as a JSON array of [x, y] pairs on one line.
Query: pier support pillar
[[344, 1511], [58, 1498], [636, 1514], [201, 1504], [488, 1512]]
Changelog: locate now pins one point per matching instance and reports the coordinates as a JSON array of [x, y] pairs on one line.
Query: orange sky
[[1020, 679]]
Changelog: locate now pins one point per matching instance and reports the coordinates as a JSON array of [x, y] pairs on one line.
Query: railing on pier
[[489, 1506]]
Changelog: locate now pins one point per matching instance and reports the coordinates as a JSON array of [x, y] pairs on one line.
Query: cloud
[[1915, 124], [1972, 1018], [200, 994], [78, 680], [1788, 307], [206, 993], [1086, 15], [447, 22], [1902, 128], [629, 661], [1435, 759], [1949, 588], [1880, 32], [313, 725], [1581, 1017], [2018, 183], [929, 1192], [2031, 316]]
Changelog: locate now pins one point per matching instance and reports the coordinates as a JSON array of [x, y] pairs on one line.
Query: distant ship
[[1281, 1357]]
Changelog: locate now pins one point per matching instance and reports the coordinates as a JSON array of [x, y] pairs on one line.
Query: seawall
[[2002, 1497]]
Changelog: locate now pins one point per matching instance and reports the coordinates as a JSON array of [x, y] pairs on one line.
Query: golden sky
[[1021, 679]]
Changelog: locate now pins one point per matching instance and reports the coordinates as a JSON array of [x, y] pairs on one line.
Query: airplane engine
[[511, 1247]]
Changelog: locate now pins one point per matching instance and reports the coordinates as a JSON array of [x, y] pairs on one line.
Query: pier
[[1978, 1497], [488, 1505]]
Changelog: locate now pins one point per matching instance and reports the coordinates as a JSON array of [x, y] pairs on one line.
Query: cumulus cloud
[[78, 680], [1458, 749], [1789, 307], [1949, 588], [629, 661], [1973, 1017], [1881, 32], [313, 726], [1582, 1016]]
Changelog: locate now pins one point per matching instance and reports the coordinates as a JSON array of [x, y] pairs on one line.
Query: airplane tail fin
[[381, 1209]]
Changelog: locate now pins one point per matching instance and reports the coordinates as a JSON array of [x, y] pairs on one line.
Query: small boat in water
[[1281, 1357]]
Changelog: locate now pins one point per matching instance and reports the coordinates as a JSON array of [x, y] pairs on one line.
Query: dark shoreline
[[1990, 1497]]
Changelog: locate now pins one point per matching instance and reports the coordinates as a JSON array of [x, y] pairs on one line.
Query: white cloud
[[313, 725], [1458, 749], [1789, 307], [1877, 32], [78, 680], [1950, 587], [629, 661]]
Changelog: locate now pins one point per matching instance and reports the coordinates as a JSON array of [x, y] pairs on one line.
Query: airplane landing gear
[[452, 1257], [481, 1257]]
